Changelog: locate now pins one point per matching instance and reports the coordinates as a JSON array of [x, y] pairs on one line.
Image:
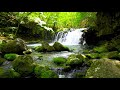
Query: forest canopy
[[41, 23]]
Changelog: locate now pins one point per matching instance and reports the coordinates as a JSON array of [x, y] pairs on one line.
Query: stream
[[71, 39]]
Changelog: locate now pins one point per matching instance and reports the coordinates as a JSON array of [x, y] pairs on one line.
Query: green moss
[[100, 49], [104, 68], [50, 48], [44, 72], [93, 56], [75, 60], [23, 65], [59, 47], [111, 55], [59, 60], [48, 74], [86, 51], [39, 49], [10, 57], [14, 46], [66, 68], [10, 73], [2, 60]]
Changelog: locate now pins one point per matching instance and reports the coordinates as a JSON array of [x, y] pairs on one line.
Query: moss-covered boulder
[[59, 47], [9, 73], [11, 56], [24, 65], [14, 46], [47, 47], [75, 60], [44, 72], [104, 68], [59, 60], [2, 60], [39, 49]]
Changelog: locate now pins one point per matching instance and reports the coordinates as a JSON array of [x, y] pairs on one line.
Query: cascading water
[[73, 40], [71, 37]]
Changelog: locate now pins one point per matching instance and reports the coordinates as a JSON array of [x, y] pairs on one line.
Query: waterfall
[[71, 37]]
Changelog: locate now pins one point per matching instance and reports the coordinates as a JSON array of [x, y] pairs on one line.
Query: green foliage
[[59, 60], [10, 56]]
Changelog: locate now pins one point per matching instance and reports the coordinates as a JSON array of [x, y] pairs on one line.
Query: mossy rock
[[44, 48], [75, 60], [50, 49], [104, 68], [14, 46], [11, 56], [44, 72], [59, 60], [39, 49], [47, 47], [100, 49], [111, 55], [86, 51], [2, 60], [59, 47], [24, 65], [10, 73], [93, 56]]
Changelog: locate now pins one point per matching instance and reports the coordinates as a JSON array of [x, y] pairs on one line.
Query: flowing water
[[72, 39]]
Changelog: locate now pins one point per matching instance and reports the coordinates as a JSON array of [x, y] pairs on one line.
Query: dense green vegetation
[[100, 57], [42, 25]]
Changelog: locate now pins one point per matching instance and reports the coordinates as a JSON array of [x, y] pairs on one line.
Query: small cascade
[[71, 37]]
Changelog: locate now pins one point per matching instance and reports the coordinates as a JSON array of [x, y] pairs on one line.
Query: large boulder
[[14, 46], [45, 47], [24, 65], [59, 47], [104, 68]]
